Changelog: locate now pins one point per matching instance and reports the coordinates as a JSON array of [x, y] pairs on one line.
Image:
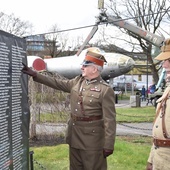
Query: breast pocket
[[93, 98]]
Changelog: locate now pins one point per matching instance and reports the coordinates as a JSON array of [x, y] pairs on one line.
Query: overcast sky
[[43, 14], [66, 14]]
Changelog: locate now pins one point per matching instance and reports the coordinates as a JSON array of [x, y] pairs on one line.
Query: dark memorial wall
[[14, 109]]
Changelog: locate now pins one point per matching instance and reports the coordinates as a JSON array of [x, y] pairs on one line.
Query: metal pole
[[31, 160], [147, 79], [132, 83]]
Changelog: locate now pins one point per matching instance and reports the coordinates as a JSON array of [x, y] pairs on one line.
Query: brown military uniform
[[92, 124], [160, 151]]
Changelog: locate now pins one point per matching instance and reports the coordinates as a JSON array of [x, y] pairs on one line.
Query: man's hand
[[149, 166], [27, 70], [107, 152]]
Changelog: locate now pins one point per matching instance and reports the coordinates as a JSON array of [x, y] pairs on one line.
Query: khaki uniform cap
[[95, 55], [95, 52], [165, 54]]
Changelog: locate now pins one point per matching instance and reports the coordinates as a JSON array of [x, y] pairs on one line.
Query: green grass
[[130, 153], [53, 117], [139, 114], [51, 157]]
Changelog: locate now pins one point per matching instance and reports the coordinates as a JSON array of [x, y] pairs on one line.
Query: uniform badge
[[95, 89]]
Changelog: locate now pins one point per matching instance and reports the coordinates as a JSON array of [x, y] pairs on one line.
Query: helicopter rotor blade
[[90, 36], [94, 29]]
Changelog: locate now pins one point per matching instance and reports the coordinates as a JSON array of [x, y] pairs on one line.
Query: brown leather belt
[[161, 143], [90, 118]]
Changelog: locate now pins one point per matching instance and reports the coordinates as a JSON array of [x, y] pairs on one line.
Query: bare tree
[[14, 25], [151, 15], [55, 42]]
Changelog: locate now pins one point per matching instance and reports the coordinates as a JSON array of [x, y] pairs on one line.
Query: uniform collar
[[93, 80]]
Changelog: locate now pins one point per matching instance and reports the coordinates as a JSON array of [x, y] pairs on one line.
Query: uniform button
[[92, 95], [73, 124], [93, 131], [76, 110], [78, 103], [156, 126], [84, 89], [90, 101]]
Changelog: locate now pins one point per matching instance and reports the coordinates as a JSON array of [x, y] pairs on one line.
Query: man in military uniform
[[159, 158], [92, 124]]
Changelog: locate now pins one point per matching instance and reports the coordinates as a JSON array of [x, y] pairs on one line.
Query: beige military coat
[[160, 155], [87, 98]]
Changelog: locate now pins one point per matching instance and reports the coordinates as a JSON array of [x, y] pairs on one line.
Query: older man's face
[[88, 71]]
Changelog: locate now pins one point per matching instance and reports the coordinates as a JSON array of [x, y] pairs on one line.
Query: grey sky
[[44, 14]]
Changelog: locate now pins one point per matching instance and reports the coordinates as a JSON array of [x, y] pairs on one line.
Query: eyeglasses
[[84, 65], [87, 63]]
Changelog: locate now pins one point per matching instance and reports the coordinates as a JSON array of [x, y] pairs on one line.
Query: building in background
[[35, 44]]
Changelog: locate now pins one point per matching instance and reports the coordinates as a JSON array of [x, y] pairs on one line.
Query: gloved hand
[[107, 152], [149, 166], [29, 71]]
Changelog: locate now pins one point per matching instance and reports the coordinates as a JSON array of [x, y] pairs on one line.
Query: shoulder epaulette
[[104, 83]]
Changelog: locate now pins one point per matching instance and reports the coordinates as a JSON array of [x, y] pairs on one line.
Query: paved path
[[144, 129], [127, 103]]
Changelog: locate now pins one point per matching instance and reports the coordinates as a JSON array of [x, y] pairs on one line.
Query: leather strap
[[161, 143], [81, 98], [90, 118], [163, 118], [162, 108]]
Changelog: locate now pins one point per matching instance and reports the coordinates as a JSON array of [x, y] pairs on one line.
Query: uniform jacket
[[87, 98], [157, 131]]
